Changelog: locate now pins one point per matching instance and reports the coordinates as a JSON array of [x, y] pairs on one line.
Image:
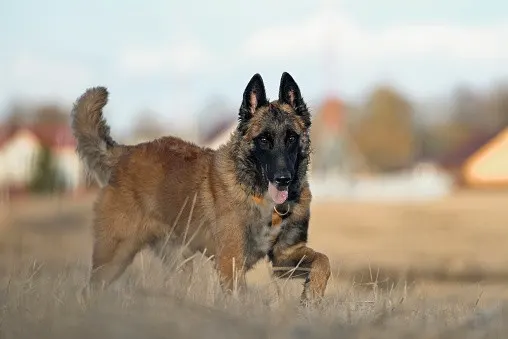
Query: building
[[18, 153], [488, 166], [19, 150], [462, 162]]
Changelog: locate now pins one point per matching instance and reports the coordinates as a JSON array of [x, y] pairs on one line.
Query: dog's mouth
[[278, 194]]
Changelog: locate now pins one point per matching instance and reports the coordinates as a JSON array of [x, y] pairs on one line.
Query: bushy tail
[[95, 146]]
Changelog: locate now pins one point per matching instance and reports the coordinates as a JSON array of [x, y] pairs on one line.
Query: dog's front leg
[[230, 265], [231, 273], [300, 261]]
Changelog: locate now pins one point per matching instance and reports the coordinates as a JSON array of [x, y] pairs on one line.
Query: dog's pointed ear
[[289, 93], [254, 97]]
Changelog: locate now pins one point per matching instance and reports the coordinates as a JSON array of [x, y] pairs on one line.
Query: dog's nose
[[283, 179]]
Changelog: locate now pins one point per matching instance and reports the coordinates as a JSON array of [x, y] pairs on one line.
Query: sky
[[174, 57]]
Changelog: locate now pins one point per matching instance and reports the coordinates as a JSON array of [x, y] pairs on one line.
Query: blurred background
[[409, 104]]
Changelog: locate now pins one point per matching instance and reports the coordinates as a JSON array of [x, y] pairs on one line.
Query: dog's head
[[275, 134]]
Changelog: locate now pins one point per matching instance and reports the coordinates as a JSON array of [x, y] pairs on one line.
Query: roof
[[489, 165], [460, 155], [55, 136]]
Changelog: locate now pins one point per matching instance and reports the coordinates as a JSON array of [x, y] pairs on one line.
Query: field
[[417, 270]]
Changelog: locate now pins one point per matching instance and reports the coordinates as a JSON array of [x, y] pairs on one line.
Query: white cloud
[[186, 57], [309, 37]]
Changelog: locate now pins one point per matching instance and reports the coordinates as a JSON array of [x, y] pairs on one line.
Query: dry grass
[[44, 259], [460, 238]]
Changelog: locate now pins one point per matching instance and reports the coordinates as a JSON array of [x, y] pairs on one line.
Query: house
[[460, 161], [20, 147], [60, 140], [488, 165], [18, 153]]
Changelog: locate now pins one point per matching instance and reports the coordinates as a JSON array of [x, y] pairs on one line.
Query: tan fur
[[169, 190], [95, 146]]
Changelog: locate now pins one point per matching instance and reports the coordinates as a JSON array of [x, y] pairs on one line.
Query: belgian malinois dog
[[246, 200]]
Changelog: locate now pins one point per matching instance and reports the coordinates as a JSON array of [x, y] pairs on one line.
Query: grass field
[[414, 270]]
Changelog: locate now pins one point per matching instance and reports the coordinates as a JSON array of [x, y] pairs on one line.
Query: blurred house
[[19, 150], [18, 153], [458, 162], [488, 165]]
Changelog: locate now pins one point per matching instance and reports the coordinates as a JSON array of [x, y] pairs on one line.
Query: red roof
[[55, 136]]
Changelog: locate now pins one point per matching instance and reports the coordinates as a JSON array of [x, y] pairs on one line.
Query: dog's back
[[162, 175]]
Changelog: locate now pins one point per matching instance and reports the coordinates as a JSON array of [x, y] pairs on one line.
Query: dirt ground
[[415, 270]]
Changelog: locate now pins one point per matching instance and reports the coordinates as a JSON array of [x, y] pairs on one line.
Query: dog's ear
[[254, 97], [289, 93]]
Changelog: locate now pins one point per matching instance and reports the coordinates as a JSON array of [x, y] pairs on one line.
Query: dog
[[247, 200]]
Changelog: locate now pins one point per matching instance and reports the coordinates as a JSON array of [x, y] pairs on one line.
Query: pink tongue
[[277, 196]]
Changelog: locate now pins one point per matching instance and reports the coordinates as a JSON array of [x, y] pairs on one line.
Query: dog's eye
[[291, 139], [263, 142]]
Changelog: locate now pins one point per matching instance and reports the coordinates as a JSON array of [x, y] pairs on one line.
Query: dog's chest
[[260, 236]]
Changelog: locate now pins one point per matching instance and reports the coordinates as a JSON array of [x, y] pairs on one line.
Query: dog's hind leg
[[110, 259], [119, 234]]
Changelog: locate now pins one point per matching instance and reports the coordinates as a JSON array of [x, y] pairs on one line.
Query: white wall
[[18, 157]]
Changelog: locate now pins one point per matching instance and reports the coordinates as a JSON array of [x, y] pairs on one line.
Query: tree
[[481, 112], [467, 107], [498, 105], [386, 134], [46, 178], [16, 115], [50, 114]]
